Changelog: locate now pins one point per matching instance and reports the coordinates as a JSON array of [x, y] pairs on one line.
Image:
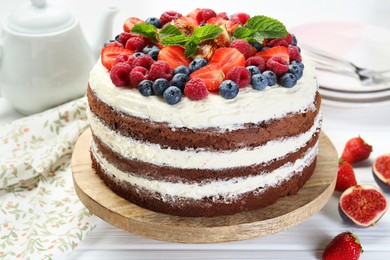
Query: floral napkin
[[41, 216]]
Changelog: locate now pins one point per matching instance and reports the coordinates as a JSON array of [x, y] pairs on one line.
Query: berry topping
[[300, 64], [288, 80], [172, 95], [130, 22], [144, 61], [137, 54], [257, 61], [223, 15], [154, 53], [179, 80], [137, 75], [204, 14], [197, 64], [294, 53], [240, 75], [169, 16], [160, 69], [123, 58], [228, 89], [159, 86], [119, 74], [195, 89], [145, 88], [253, 70], [124, 37], [271, 77], [109, 54], [243, 46], [275, 51], [182, 69], [227, 58], [212, 75], [296, 70], [135, 44], [356, 150], [259, 81], [278, 65], [154, 21], [174, 55], [241, 18], [344, 246], [149, 48], [289, 39], [278, 42], [345, 176]]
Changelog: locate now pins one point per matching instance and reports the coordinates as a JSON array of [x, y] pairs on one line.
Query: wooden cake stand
[[285, 213]]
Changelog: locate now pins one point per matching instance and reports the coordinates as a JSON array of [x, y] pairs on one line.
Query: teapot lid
[[40, 17]]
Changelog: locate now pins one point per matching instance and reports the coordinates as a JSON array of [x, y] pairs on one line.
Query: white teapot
[[45, 59]]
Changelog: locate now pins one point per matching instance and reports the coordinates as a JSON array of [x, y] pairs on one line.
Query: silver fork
[[330, 62]]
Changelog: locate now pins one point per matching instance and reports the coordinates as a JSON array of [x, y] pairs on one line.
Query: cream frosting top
[[249, 106]]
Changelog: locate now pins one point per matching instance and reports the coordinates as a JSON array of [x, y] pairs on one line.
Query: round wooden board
[[285, 213]]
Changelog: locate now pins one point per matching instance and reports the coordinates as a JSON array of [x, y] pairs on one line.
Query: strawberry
[[174, 55], [356, 150], [109, 54], [228, 58], [344, 246], [212, 76], [345, 176], [231, 26], [194, 13], [185, 24], [275, 51], [130, 22]]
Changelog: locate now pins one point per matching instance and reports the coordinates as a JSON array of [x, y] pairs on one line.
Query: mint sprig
[[260, 27], [147, 30]]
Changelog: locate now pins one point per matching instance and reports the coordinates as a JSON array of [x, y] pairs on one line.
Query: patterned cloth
[[41, 216]]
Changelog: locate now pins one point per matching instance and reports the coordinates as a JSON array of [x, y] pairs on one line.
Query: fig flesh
[[381, 171], [362, 205]]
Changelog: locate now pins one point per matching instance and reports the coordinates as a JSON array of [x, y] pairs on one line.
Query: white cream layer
[[199, 159], [229, 189], [250, 106]]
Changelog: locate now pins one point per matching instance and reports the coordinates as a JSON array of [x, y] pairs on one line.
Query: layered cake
[[204, 114]]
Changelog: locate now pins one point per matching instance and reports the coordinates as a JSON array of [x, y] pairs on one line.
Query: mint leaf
[[168, 31], [267, 27], [243, 33], [191, 46], [176, 40], [257, 36], [146, 30], [207, 32]]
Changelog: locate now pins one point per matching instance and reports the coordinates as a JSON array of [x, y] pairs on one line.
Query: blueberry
[[271, 77], [228, 89], [264, 48], [154, 21], [294, 40], [172, 95], [182, 69], [197, 64], [257, 45], [253, 70], [296, 70], [154, 53], [160, 85], [179, 80], [145, 87], [288, 80], [137, 54], [148, 48], [297, 62], [259, 81]]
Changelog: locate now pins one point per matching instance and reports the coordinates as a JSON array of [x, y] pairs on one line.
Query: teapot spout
[[103, 30]]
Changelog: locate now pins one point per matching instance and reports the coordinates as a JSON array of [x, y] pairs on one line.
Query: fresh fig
[[362, 205], [381, 171]]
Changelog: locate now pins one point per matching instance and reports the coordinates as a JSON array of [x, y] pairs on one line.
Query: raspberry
[[241, 18], [119, 74], [257, 61], [168, 16], [144, 61], [278, 65], [135, 44], [240, 75], [124, 37], [137, 75], [160, 69], [122, 58], [294, 54], [203, 15], [223, 15], [289, 39], [278, 42], [243, 46], [195, 89]]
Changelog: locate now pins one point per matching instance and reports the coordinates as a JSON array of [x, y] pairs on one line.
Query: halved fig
[[362, 205], [381, 171]]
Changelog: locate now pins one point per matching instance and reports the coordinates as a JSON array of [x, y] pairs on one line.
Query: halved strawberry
[[130, 22], [174, 55], [216, 20], [231, 26], [109, 54], [228, 58], [212, 76], [194, 13], [275, 51]]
